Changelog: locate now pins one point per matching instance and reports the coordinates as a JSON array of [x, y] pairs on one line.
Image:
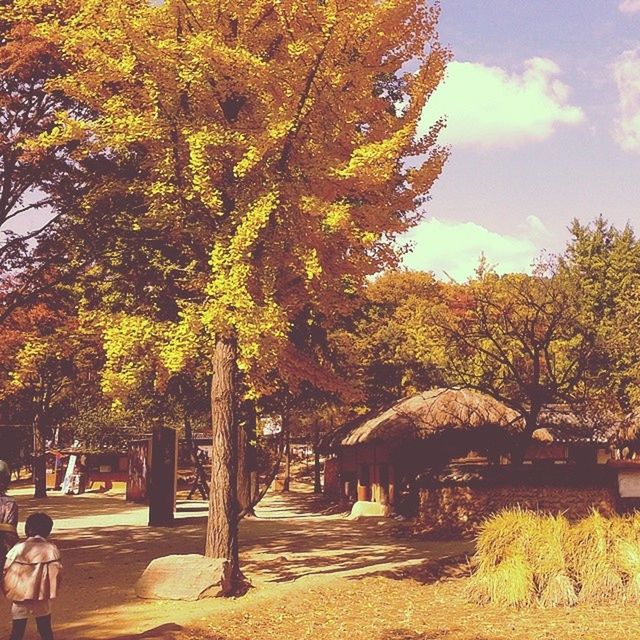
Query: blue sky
[[543, 108]]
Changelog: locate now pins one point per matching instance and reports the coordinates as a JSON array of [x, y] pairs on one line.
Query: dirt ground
[[408, 608], [288, 548], [314, 576]]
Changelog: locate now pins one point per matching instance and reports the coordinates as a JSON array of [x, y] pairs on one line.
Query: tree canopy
[[259, 171]]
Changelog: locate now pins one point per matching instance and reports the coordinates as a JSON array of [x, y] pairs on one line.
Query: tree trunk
[[188, 436], [524, 439], [246, 454], [244, 478], [252, 458], [39, 465], [286, 484], [317, 483], [222, 526]]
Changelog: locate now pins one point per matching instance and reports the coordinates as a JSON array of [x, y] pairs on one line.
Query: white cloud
[[454, 248], [626, 73], [535, 228], [629, 6], [488, 107]]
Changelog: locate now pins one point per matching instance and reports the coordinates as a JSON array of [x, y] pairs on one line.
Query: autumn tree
[[51, 229], [271, 142], [388, 344], [26, 109], [37, 371], [32, 182], [603, 265], [520, 339]]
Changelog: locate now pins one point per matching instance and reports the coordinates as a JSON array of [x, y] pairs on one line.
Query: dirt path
[[106, 546]]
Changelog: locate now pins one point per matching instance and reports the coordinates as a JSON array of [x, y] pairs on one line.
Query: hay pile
[[525, 559]]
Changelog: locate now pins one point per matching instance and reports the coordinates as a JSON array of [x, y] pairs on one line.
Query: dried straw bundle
[[547, 555], [627, 556], [510, 583], [525, 558], [504, 574], [592, 558]]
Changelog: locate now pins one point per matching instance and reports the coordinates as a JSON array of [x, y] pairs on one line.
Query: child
[[32, 575], [8, 514]]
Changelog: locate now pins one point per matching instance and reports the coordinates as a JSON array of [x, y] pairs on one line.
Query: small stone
[[364, 509]]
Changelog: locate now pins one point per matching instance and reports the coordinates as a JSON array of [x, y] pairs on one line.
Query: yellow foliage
[[246, 117], [376, 161]]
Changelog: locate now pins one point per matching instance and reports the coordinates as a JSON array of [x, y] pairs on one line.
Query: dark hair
[[38, 524]]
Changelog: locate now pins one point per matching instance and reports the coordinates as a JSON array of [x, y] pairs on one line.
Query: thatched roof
[[629, 428], [426, 415], [564, 425], [88, 450]]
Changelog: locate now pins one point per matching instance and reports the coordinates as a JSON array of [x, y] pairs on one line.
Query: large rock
[[364, 509], [183, 577]]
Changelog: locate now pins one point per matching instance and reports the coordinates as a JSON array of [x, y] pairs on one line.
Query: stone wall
[[459, 509]]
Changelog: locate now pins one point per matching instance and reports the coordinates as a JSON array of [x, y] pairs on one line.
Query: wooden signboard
[[162, 476], [138, 472]]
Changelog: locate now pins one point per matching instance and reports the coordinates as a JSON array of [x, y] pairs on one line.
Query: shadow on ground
[[162, 632], [287, 541], [62, 508], [429, 571], [446, 634]]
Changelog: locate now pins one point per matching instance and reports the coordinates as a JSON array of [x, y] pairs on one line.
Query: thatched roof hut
[[427, 415]]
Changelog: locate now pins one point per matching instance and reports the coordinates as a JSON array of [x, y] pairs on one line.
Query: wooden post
[[162, 477]]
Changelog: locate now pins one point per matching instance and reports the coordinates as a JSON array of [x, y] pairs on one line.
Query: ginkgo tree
[[277, 157]]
